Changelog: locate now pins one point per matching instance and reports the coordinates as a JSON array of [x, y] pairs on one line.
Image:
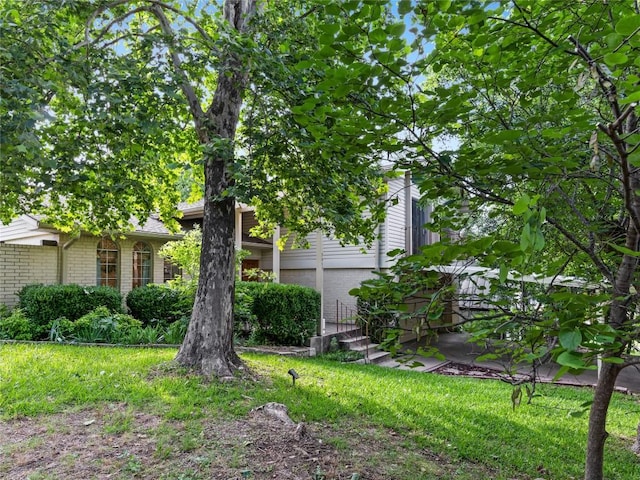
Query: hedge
[[285, 314], [159, 303], [43, 304], [269, 312]]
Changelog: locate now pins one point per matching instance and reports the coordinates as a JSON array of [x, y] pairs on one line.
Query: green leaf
[[404, 7], [503, 136], [570, 339], [616, 58], [571, 360], [627, 25], [397, 29], [525, 238], [378, 35], [303, 65], [561, 371], [504, 271], [632, 97], [330, 28], [624, 250], [522, 205], [326, 51], [616, 360]]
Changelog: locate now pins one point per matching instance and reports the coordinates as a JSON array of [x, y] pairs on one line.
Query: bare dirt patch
[[466, 370], [118, 442]]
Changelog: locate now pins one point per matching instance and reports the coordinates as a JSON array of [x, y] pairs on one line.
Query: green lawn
[[468, 422]]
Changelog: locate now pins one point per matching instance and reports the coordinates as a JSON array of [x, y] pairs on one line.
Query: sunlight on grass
[[465, 419]]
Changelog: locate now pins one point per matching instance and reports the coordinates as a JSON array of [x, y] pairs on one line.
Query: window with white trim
[[142, 265], [107, 263]]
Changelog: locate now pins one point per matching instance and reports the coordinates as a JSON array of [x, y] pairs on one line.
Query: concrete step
[[351, 343], [342, 329], [375, 357], [366, 346]]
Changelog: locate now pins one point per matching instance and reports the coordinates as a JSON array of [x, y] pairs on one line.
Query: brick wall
[[21, 265], [337, 283], [80, 261]]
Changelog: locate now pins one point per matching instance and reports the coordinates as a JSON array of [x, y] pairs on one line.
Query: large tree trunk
[[635, 448], [597, 421], [208, 344]]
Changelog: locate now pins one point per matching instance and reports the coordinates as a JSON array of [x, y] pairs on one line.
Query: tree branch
[[194, 102], [602, 267], [606, 85], [156, 3]]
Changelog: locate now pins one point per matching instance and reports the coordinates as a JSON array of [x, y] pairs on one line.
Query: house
[[33, 252], [327, 266]]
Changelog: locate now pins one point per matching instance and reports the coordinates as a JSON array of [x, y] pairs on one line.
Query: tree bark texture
[[208, 344], [594, 465]]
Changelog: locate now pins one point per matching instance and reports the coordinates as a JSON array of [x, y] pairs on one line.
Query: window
[[141, 265], [420, 236], [107, 263]]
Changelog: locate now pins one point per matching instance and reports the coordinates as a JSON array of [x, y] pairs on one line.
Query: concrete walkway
[[455, 349]]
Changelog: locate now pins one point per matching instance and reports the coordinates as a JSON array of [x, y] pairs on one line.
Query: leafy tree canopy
[[95, 127]]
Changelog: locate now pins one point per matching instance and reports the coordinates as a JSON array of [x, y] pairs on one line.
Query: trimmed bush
[[159, 304], [16, 326], [285, 314], [42, 304]]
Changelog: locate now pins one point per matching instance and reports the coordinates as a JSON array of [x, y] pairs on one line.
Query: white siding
[[334, 255], [24, 231], [298, 258], [337, 283], [349, 256], [395, 227]]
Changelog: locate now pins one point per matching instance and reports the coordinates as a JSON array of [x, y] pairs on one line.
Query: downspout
[[408, 247], [62, 256], [320, 279], [378, 264]]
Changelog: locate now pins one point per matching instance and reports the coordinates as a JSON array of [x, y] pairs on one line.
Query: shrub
[[285, 314], [159, 303], [4, 311], [102, 326], [343, 356], [243, 317], [61, 330], [374, 319], [44, 303], [176, 331], [16, 326]]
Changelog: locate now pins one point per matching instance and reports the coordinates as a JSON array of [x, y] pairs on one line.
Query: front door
[[248, 264]]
